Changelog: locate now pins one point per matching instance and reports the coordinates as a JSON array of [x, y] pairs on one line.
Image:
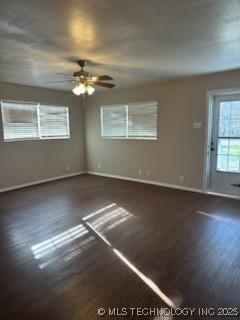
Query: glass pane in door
[[228, 153]]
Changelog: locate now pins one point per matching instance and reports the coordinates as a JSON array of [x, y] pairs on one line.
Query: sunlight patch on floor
[[220, 218]]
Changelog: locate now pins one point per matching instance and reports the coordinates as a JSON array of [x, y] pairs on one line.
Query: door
[[225, 145]]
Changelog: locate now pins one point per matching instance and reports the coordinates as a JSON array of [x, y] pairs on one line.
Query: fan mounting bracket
[[82, 63]]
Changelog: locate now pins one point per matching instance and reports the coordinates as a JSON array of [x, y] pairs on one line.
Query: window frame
[[155, 138], [227, 138], [38, 105]]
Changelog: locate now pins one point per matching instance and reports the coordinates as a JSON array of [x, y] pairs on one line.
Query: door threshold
[[230, 196]]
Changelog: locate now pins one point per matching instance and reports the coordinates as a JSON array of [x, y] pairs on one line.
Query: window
[[131, 121], [30, 121], [228, 155], [54, 122], [114, 121], [20, 121]]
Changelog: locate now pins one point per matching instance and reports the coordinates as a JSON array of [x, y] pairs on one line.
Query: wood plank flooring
[[70, 247]]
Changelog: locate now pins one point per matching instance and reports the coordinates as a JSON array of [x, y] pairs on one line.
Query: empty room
[[119, 159]]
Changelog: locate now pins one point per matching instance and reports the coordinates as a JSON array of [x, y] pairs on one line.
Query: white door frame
[[208, 133]]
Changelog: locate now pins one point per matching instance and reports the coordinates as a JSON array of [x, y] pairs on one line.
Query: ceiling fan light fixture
[[90, 90], [82, 88], [85, 82], [79, 89], [76, 91]]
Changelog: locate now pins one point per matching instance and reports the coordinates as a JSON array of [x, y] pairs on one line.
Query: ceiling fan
[[84, 82]]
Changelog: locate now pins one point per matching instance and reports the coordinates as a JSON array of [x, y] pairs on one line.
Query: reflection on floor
[[45, 250], [101, 221], [73, 246], [50, 245], [169, 302], [108, 217], [220, 218]]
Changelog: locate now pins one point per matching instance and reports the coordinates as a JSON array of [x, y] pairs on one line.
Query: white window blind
[[114, 121], [142, 120], [53, 122], [131, 121], [20, 120], [28, 121]]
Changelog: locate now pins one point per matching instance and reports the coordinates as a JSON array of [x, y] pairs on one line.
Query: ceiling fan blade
[[105, 77], [59, 81], [103, 84], [62, 74]]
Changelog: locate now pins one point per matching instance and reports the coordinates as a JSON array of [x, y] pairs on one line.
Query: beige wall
[[29, 161], [179, 148], [177, 152]]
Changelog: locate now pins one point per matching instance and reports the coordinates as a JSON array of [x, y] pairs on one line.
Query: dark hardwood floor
[[70, 247]]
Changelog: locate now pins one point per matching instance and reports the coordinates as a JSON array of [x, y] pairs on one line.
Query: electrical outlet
[[197, 125], [181, 178], [139, 172], [99, 165], [148, 173], [68, 167]]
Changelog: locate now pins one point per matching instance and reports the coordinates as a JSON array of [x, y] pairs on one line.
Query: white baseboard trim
[[157, 183], [28, 184], [223, 195]]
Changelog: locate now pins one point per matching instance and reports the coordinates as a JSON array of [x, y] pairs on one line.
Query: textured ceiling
[[134, 41]]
